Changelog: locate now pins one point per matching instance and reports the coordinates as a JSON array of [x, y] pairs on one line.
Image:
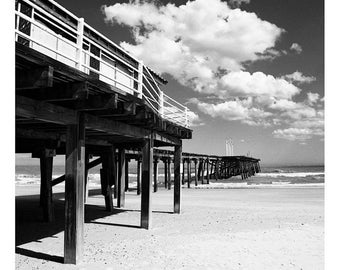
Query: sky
[[249, 70]]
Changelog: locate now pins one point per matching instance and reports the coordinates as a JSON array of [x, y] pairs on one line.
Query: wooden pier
[[80, 95]]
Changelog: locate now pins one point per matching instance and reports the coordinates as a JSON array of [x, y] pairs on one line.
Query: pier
[[80, 95]]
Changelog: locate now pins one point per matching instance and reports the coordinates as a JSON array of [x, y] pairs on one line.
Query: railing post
[[140, 79], [80, 38], [161, 104]]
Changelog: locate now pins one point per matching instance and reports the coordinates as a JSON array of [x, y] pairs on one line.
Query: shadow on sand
[[30, 227]]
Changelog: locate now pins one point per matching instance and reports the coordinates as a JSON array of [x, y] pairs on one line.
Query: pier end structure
[[80, 95]]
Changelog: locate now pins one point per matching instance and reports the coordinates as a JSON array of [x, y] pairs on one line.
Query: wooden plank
[[46, 199], [177, 179], [74, 192], [147, 159], [121, 178]]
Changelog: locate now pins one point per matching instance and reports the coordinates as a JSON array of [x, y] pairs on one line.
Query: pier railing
[[49, 28]]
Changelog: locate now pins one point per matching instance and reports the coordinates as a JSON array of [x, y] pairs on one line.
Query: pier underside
[[60, 110]]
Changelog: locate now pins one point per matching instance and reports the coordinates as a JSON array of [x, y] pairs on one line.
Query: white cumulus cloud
[[192, 42]]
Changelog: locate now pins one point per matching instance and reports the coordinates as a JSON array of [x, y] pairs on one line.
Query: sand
[[269, 228]]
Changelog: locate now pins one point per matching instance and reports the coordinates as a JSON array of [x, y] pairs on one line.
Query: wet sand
[[269, 228]]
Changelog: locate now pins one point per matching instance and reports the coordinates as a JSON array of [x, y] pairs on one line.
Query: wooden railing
[[52, 30]]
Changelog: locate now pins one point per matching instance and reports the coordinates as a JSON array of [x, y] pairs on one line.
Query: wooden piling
[[139, 175], [74, 192], [169, 173], [121, 178], [177, 179], [106, 173], [196, 176], [155, 175], [147, 159], [165, 173], [126, 174], [189, 171], [46, 199], [208, 176]]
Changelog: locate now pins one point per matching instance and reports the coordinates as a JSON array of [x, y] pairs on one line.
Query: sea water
[[274, 176]]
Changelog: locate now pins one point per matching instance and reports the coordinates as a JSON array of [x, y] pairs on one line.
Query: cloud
[[234, 110], [194, 119], [207, 46], [294, 134], [296, 48], [242, 83], [194, 41], [312, 98], [298, 77], [237, 3]]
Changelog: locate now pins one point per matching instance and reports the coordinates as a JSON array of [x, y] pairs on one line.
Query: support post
[[155, 175], [127, 174], [196, 176], [177, 179], [86, 188], [147, 158], [169, 173], [183, 172], [106, 174], [139, 174], [46, 199], [188, 172], [165, 173], [121, 178], [74, 191], [208, 175]]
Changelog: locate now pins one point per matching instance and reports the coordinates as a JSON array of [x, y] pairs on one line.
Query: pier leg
[[46, 168], [177, 179], [200, 169], [203, 170], [189, 172], [121, 178], [86, 195], [127, 174], [155, 175], [74, 192], [147, 158], [115, 189], [165, 173], [208, 175], [169, 173], [183, 172], [196, 178], [105, 174], [139, 175]]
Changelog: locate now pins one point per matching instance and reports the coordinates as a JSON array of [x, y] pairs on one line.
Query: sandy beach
[[269, 228]]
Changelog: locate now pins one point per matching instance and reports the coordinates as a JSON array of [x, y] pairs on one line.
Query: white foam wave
[[290, 174]]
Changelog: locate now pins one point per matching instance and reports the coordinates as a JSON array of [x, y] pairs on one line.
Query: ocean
[[275, 176]]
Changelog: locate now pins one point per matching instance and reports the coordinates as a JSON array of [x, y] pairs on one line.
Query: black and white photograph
[[168, 134]]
